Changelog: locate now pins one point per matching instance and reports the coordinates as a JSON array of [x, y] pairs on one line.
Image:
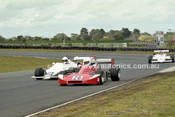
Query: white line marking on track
[[171, 69], [93, 94], [81, 98], [41, 57]]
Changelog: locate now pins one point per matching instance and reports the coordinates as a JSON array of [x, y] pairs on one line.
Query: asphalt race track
[[20, 95]]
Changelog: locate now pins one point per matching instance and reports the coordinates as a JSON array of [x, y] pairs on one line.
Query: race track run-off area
[[20, 95]]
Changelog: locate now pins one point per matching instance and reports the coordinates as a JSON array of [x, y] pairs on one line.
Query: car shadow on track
[[70, 85]]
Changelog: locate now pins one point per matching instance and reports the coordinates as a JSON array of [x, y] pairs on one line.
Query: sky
[[46, 18]]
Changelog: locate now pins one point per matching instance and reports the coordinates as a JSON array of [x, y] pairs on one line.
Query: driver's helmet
[[86, 61], [65, 60]]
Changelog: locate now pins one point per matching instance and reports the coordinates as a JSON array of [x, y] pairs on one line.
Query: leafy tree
[[74, 36], [103, 32], [60, 36], [118, 36], [37, 38], [46, 39], [136, 33], [169, 36], [97, 34], [2, 38], [146, 33], [84, 34], [115, 35], [83, 37], [10, 39], [13, 38], [28, 37], [20, 38], [126, 32], [111, 33], [84, 31]]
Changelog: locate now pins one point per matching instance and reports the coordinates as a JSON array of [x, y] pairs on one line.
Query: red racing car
[[92, 71]]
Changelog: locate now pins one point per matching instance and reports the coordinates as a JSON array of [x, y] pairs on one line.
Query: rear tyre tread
[[115, 74]]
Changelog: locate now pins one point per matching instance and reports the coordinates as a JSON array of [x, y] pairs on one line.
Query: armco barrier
[[82, 48]]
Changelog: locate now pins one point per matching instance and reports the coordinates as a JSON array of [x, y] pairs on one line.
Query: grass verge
[[16, 63], [90, 51], [150, 97]]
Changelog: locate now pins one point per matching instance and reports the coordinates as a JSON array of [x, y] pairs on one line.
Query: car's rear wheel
[[150, 59], [39, 72], [115, 74], [172, 58], [101, 75]]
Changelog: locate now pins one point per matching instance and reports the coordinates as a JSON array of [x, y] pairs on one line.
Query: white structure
[[160, 38]]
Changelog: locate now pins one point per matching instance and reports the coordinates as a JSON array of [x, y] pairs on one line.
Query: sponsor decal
[[77, 78], [50, 73]]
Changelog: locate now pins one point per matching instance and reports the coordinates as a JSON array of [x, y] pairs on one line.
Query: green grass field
[[150, 97], [90, 51], [15, 63]]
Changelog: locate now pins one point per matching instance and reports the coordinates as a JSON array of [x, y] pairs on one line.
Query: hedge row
[[81, 48]]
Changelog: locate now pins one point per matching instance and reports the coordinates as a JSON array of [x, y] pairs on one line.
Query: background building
[[160, 38]]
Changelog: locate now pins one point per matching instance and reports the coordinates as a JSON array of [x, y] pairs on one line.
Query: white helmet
[[64, 58], [86, 61]]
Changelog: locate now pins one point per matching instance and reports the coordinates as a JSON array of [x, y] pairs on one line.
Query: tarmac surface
[[20, 95]]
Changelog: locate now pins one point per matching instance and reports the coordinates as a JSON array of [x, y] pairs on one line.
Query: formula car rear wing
[[161, 50], [106, 61], [99, 61], [80, 58]]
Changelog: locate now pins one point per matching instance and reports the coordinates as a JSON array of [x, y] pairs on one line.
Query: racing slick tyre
[[150, 59], [172, 58], [115, 74], [39, 72], [101, 74]]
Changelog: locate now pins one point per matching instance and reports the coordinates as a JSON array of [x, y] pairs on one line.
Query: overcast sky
[[48, 17]]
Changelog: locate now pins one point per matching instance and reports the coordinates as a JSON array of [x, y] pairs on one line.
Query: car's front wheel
[[101, 76], [172, 58], [150, 59], [39, 72]]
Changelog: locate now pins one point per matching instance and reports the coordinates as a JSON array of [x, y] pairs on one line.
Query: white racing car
[[55, 69], [160, 56]]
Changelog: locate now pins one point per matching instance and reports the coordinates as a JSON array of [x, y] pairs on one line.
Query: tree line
[[92, 35], [99, 34]]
